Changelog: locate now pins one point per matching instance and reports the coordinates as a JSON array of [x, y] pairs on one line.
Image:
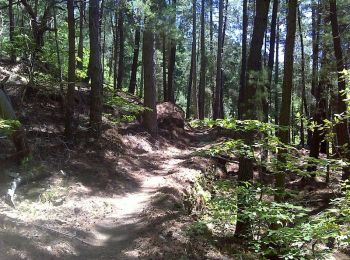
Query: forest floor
[[122, 198], [104, 206]]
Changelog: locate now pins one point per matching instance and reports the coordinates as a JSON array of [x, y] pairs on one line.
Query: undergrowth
[[287, 229]]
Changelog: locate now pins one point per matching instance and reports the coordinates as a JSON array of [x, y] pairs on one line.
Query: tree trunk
[[121, 48], [12, 31], [172, 57], [192, 81], [252, 102], [270, 62], [222, 84], [243, 59], [201, 87], [59, 62], [95, 68], [216, 102], [164, 62], [132, 85], [342, 130], [142, 85], [316, 21], [81, 35], [284, 118], [150, 90], [116, 52], [320, 113], [71, 72], [277, 72], [303, 84]]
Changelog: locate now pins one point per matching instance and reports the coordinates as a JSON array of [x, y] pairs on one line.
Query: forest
[[174, 129]]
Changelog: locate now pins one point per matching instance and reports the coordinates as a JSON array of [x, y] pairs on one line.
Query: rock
[[170, 115], [58, 202]]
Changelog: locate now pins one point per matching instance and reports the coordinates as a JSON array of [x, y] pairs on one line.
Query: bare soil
[[121, 197]]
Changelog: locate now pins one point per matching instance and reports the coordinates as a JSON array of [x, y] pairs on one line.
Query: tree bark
[[81, 35], [284, 118], [132, 85], [95, 68], [342, 130], [116, 52], [12, 32], [217, 98], [164, 62], [150, 90], [121, 48], [277, 73], [201, 87], [172, 58], [71, 72], [270, 62], [222, 83], [192, 81], [303, 84], [58, 53], [252, 102], [243, 59]]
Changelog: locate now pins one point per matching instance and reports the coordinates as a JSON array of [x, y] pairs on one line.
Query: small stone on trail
[[77, 210]]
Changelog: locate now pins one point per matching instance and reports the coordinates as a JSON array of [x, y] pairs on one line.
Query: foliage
[[287, 229], [7, 126], [283, 229]]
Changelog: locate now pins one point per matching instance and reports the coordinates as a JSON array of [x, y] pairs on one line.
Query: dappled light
[[202, 129]]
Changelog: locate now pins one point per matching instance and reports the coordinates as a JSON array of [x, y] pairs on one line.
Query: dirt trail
[[109, 207]]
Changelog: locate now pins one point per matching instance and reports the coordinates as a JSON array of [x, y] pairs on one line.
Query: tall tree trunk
[[252, 102], [277, 72], [316, 21], [242, 81], [211, 28], [132, 85], [201, 87], [164, 62], [216, 102], [111, 57], [192, 77], [12, 31], [270, 62], [211, 58], [141, 89], [121, 47], [58, 53], [303, 84], [150, 90], [95, 68], [320, 113], [81, 35], [222, 84], [116, 51], [172, 58], [284, 118], [71, 71], [342, 130]]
